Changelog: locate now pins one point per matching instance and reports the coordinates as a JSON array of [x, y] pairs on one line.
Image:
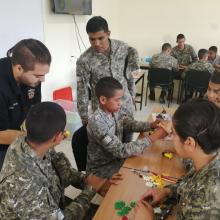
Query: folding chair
[[160, 78]]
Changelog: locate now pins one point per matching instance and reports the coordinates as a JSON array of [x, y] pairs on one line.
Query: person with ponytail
[[196, 136], [21, 74]]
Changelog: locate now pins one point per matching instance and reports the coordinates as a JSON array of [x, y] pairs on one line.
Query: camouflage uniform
[[199, 193], [201, 66], [185, 56], [33, 188], [92, 66], [163, 60], [106, 152]]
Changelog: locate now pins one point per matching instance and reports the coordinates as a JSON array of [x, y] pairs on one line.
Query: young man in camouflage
[[201, 65], [105, 57], [213, 91], [166, 61], [214, 58], [196, 131], [184, 53], [105, 150], [34, 176]]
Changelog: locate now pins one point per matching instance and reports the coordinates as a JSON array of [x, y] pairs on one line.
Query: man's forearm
[[8, 136]]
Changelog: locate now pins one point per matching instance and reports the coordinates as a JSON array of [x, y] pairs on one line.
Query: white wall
[[19, 20], [60, 38], [148, 24], [143, 24]]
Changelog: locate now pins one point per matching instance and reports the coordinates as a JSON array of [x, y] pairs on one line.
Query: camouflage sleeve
[[32, 202], [82, 89], [68, 175], [175, 66], [193, 54], [205, 204], [77, 209], [135, 126], [173, 53], [211, 69], [133, 64], [111, 143]]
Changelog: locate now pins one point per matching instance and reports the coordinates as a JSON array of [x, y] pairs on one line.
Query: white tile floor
[[65, 146]]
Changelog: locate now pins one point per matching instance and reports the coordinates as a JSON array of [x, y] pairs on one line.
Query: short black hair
[[215, 78], [202, 53], [28, 52], [107, 86], [95, 24], [200, 119], [180, 36], [213, 48], [166, 46], [44, 120]]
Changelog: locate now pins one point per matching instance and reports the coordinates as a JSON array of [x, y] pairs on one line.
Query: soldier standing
[[105, 57], [21, 75]]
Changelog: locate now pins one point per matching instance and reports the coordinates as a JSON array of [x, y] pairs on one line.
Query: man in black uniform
[[21, 74]]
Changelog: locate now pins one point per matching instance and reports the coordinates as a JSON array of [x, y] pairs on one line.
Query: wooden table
[[132, 186]]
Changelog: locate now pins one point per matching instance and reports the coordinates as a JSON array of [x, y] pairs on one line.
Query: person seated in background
[[166, 61], [34, 176], [214, 58], [201, 65], [196, 130], [213, 91], [105, 151], [184, 53]]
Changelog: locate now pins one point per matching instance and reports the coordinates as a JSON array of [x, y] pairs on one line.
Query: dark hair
[[95, 24], [166, 46], [213, 48], [28, 52], [202, 53], [200, 119], [44, 120], [180, 36], [106, 87], [215, 78]]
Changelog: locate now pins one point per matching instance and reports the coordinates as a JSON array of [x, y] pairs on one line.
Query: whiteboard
[[19, 19]]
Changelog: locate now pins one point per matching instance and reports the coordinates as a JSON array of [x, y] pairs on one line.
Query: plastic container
[[72, 116]]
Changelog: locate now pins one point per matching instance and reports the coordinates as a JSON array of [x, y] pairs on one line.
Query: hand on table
[[96, 182], [102, 185], [156, 196], [167, 126], [114, 180], [155, 124], [143, 211]]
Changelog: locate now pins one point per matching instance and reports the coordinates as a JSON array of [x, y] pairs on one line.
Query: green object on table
[[124, 209], [133, 204], [120, 213], [119, 204]]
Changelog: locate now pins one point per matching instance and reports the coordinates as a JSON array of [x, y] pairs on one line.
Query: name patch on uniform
[[106, 140]]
